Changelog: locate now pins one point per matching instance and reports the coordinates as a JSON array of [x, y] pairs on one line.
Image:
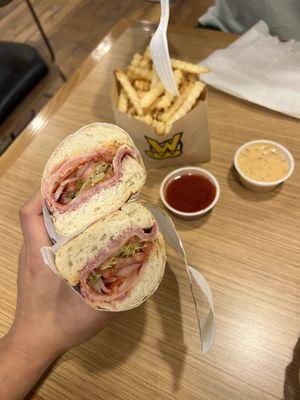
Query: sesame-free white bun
[[72, 257], [88, 139]]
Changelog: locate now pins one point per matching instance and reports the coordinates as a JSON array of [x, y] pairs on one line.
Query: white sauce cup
[[258, 186]]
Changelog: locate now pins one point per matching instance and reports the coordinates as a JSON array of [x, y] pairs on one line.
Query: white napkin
[[259, 68]]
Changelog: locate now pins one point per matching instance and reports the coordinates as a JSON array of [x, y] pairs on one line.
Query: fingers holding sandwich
[[32, 222]]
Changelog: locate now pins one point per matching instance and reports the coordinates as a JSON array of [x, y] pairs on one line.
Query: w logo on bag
[[170, 148]]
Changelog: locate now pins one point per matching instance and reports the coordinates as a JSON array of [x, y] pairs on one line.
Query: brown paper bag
[[187, 142]]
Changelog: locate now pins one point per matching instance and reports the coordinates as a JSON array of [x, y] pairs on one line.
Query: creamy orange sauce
[[263, 162]]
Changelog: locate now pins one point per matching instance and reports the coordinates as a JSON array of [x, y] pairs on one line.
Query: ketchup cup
[[194, 171]]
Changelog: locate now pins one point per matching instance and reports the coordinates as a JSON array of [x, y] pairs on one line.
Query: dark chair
[[21, 68]]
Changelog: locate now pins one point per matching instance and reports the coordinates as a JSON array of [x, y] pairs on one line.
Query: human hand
[[50, 317]]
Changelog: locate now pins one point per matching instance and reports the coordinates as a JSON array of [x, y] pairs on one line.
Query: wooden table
[[248, 249]]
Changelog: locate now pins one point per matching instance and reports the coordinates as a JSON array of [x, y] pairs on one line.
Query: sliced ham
[[64, 199], [124, 288], [126, 271], [88, 171], [100, 286], [81, 170], [58, 192], [63, 185], [69, 180], [118, 294], [117, 243], [122, 277], [137, 258], [124, 263], [52, 189]]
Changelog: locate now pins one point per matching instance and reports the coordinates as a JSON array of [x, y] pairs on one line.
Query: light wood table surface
[[247, 248]]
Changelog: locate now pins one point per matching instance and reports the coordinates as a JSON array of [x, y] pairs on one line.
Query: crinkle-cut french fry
[[142, 85], [143, 96], [155, 113], [168, 127], [129, 90], [152, 95], [166, 116], [131, 110], [146, 63], [178, 76], [136, 60], [167, 99], [192, 78], [161, 128], [123, 101], [145, 118], [139, 73], [188, 67], [152, 106], [141, 93], [185, 80], [189, 101], [154, 79]]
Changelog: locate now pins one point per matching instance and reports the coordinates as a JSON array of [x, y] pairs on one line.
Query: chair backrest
[[4, 3]]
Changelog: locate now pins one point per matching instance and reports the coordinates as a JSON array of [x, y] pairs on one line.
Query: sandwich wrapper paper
[[259, 68], [187, 142], [207, 325]]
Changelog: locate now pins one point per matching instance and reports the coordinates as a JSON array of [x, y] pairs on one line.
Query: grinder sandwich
[[117, 262], [90, 174]]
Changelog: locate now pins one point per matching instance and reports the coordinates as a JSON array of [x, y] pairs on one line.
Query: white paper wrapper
[[167, 227], [207, 326], [259, 68]]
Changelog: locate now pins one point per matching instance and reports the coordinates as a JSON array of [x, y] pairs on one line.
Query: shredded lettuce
[[131, 249], [96, 177], [79, 184], [73, 194], [94, 277], [128, 250]]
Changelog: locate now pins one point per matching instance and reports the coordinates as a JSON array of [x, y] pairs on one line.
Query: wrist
[[20, 367], [29, 348]]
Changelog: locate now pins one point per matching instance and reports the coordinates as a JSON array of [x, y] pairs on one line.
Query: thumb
[[32, 221]]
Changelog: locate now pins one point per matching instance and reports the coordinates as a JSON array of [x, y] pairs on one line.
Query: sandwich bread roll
[[90, 174], [118, 261]]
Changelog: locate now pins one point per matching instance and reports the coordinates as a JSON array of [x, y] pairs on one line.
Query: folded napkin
[[259, 68]]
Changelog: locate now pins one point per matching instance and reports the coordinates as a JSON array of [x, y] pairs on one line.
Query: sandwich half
[[90, 174], [117, 262]]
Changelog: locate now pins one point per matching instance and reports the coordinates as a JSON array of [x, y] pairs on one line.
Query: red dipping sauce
[[190, 193]]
